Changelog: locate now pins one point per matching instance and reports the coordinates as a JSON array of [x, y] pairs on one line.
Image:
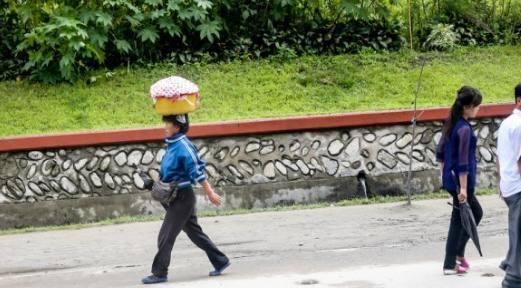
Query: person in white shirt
[[509, 166]]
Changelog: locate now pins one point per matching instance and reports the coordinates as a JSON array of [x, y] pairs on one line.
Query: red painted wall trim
[[238, 128]]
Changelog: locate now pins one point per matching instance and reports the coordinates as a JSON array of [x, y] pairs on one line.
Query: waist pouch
[[164, 192]]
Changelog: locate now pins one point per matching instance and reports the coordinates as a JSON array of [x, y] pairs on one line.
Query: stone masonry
[[252, 171]]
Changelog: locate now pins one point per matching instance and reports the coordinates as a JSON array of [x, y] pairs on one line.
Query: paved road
[[377, 246]]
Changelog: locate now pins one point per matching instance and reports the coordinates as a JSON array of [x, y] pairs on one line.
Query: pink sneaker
[[463, 263], [459, 270]]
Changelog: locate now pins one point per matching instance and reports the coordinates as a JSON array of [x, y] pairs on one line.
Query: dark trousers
[[458, 238], [512, 263], [180, 215]]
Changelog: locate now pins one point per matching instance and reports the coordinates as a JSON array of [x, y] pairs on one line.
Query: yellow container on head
[[183, 105]]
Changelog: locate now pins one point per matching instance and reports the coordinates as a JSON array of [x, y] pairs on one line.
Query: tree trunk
[[410, 24]]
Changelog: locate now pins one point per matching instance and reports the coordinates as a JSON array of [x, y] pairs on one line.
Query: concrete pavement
[[376, 246]]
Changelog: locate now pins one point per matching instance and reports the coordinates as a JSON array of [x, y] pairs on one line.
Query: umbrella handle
[[458, 186], [452, 205]]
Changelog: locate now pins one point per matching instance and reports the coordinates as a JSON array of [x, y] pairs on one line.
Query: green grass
[[214, 213], [265, 88]]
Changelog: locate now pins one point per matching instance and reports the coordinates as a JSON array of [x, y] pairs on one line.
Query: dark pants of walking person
[[180, 215], [458, 238], [512, 263]]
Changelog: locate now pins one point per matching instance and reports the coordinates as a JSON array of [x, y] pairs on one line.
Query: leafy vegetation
[[476, 22], [63, 39], [245, 89], [442, 37], [11, 34], [55, 41]]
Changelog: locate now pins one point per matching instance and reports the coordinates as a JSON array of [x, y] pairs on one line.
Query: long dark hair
[[466, 96]]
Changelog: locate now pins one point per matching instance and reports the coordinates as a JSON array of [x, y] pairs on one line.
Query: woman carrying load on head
[[181, 165]]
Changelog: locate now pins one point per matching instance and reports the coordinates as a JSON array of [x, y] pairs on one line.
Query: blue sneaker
[[219, 271], [153, 279]]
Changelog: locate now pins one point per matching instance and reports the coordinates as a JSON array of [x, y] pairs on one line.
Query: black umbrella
[[467, 219], [469, 224]]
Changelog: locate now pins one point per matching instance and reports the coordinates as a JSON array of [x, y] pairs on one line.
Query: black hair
[[517, 91], [184, 126], [466, 96]]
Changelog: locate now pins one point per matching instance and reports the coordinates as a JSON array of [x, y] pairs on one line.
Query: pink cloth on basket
[[174, 87]]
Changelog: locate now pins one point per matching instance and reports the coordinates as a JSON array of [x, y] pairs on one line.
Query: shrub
[[65, 39], [442, 37], [11, 34]]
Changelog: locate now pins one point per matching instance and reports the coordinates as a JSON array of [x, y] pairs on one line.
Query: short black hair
[[180, 121], [517, 92]]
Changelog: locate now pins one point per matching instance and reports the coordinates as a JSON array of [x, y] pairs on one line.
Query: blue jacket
[[458, 153], [181, 163]]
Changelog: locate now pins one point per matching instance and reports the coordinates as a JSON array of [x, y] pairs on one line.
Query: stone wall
[[252, 171]]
